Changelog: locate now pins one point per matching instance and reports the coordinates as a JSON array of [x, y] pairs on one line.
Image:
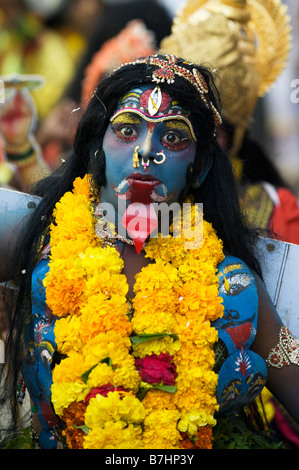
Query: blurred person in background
[[27, 46], [74, 20], [224, 35], [22, 162], [281, 110], [55, 135]]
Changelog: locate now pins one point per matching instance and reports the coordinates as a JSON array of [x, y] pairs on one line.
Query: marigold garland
[[112, 360]]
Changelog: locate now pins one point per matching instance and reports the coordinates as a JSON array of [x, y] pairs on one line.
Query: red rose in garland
[[156, 369], [103, 390]]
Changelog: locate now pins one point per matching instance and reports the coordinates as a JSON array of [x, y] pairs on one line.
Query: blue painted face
[[165, 137]]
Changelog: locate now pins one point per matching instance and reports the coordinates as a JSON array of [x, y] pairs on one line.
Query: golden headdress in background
[[247, 42]]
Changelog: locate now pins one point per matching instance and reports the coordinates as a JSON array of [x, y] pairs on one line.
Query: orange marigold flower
[[74, 416], [201, 440], [204, 438]]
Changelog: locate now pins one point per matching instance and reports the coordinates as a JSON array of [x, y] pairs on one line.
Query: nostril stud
[[145, 164]]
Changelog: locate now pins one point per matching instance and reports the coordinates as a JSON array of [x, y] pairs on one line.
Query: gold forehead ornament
[[166, 72]]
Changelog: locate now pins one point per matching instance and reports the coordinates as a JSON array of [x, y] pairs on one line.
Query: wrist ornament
[[21, 155]]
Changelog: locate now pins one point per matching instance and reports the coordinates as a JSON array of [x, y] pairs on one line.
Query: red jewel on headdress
[[164, 75], [167, 70]]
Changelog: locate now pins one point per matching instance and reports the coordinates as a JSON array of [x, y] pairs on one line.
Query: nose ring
[[145, 164], [162, 159]]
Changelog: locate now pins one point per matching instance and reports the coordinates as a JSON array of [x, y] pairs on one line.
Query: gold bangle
[[19, 149], [286, 351], [25, 162]]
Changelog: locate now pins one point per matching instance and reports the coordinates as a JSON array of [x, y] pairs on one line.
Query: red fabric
[[285, 218]]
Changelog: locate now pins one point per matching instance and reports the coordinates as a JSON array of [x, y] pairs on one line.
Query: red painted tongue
[[140, 218]]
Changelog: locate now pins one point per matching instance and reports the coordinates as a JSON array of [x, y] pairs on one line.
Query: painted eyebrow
[[178, 124], [126, 118]]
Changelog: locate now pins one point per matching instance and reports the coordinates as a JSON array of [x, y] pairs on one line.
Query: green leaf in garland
[[145, 387], [85, 375], [165, 388], [147, 337], [83, 428]]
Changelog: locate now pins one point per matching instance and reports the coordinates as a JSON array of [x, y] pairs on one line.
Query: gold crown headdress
[[168, 68], [247, 42]]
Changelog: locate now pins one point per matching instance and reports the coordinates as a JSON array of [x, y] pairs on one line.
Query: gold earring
[[162, 160], [136, 158]]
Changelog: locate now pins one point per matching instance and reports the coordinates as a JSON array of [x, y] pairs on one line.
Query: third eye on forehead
[[172, 124]]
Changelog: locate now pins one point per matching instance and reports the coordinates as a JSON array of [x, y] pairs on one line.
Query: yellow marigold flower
[[67, 334], [187, 399], [114, 435], [108, 284], [127, 377], [162, 345], [158, 400], [106, 345], [204, 357], [124, 375], [168, 436], [162, 323], [72, 220], [100, 375], [99, 315], [114, 408], [195, 270], [168, 250], [65, 393], [155, 300], [187, 329], [169, 439], [163, 417], [189, 422], [70, 369], [81, 186], [64, 289], [96, 259], [156, 276]]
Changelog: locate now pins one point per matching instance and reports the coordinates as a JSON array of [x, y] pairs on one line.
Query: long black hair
[[218, 193]]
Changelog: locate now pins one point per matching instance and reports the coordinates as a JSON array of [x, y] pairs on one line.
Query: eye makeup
[[124, 128], [179, 136]]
